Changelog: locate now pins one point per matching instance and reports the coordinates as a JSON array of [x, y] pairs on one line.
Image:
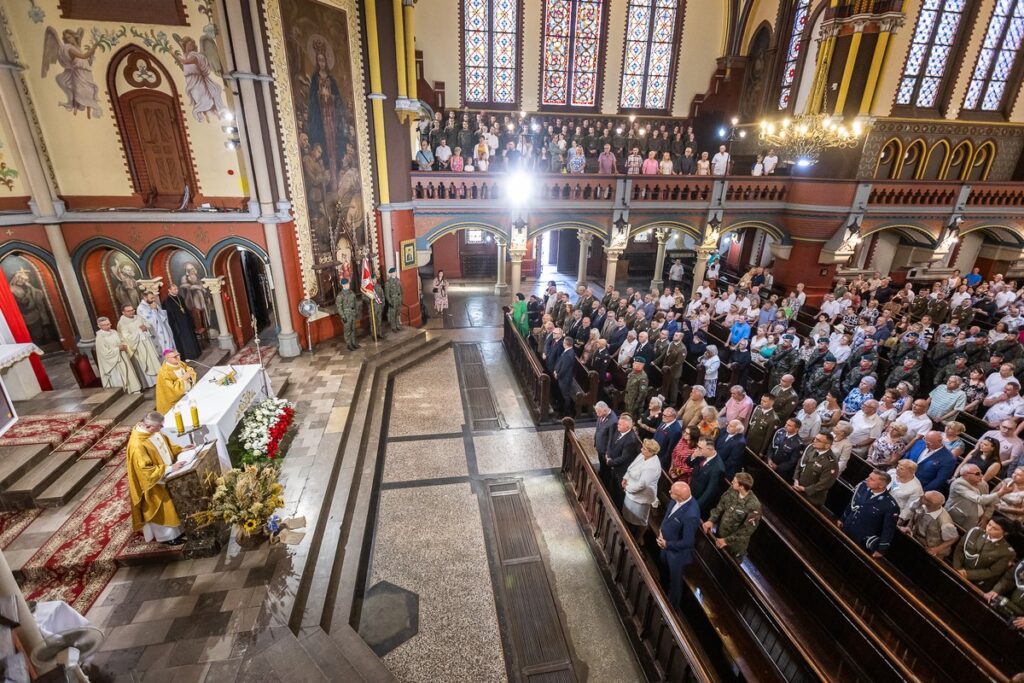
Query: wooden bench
[[535, 382], [585, 387]]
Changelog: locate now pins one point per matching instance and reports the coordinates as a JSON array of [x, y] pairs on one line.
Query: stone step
[[68, 483], [23, 492], [344, 654], [355, 546], [15, 461], [328, 528], [122, 407]]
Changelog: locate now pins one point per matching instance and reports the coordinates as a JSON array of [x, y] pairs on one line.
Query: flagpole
[[373, 322]]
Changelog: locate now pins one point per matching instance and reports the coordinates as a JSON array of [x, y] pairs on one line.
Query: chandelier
[[800, 140]]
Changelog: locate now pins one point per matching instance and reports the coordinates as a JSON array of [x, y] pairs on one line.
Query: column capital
[[516, 254], [613, 253], [214, 284], [151, 286], [584, 237], [661, 234]]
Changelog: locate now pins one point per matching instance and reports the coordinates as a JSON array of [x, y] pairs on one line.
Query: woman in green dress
[[519, 316]]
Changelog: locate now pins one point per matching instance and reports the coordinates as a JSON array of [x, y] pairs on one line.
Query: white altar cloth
[[16, 370], [220, 407]]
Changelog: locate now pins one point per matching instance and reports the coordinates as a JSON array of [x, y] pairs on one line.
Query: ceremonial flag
[[367, 283]]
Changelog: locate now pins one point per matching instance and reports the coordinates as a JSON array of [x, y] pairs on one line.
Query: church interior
[[511, 340]]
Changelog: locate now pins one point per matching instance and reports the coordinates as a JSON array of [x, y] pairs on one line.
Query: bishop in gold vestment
[[150, 457], [173, 381]]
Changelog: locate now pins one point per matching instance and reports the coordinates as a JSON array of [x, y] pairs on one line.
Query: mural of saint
[[125, 278], [32, 300], [191, 285], [76, 79], [326, 118], [199, 66]]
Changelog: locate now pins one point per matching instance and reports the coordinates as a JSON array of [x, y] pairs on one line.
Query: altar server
[[156, 320], [174, 380], [151, 457], [116, 368], [135, 336]]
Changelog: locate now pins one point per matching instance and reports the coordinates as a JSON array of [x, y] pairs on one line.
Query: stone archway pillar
[[224, 339], [500, 287], [585, 239], [660, 234], [515, 280]]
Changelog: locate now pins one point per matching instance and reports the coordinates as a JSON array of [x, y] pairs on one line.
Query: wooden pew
[[535, 382], [584, 389]]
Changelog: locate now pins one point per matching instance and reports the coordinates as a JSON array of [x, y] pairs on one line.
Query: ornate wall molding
[[285, 106]]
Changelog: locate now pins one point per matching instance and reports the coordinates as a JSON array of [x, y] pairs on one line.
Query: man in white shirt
[[997, 381], [1005, 405], [720, 162], [770, 162], [917, 421], [867, 426], [704, 292], [627, 349], [443, 153], [666, 301], [722, 306], [1013, 319], [676, 272], [810, 421], [830, 307], [1004, 299]]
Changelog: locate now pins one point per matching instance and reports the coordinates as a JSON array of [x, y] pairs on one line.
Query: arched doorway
[[39, 299], [893, 250], [641, 255], [748, 245], [246, 294], [555, 249], [992, 248], [185, 267]]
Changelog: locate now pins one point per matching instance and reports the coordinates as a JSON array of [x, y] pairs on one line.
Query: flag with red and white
[[367, 281]]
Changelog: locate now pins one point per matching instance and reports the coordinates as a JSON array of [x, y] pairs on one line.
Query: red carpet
[[79, 559], [113, 443], [13, 523], [43, 429], [84, 437], [247, 356]]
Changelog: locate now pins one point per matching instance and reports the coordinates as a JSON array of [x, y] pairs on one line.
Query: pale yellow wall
[[763, 10], [8, 154], [438, 35], [533, 17], [78, 146], [702, 41], [615, 45]]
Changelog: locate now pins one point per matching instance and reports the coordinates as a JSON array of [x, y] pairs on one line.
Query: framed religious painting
[[408, 254], [316, 53]]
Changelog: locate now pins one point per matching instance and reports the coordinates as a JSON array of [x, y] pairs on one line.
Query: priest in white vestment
[[155, 316], [116, 369], [135, 335]]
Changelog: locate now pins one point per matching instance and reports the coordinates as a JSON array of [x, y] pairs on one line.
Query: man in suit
[[667, 435], [731, 446], [564, 373], [603, 433], [622, 450], [552, 343], [644, 347], [618, 336], [676, 538], [708, 478], [817, 470], [935, 464]]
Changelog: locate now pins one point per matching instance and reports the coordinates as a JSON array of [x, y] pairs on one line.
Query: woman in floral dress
[[440, 293]]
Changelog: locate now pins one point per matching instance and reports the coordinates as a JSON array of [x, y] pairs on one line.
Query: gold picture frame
[[408, 248]]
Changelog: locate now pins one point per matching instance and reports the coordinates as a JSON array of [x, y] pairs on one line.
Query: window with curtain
[[571, 52], [490, 52], [801, 12], [652, 28], [998, 59], [932, 49]]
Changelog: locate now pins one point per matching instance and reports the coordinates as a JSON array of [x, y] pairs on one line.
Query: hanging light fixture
[[801, 140]]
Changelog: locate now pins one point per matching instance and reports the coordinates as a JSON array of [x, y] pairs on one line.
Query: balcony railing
[[555, 188]]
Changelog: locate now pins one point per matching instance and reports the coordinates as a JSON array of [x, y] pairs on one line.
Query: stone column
[[613, 262], [585, 239], [701, 267], [288, 344], [500, 288], [69, 282], [515, 281], [224, 340], [660, 234]]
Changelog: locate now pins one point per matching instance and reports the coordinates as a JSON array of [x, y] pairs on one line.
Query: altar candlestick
[[194, 410], [179, 423]]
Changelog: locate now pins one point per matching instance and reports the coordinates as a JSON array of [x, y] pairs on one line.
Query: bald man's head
[[680, 492]]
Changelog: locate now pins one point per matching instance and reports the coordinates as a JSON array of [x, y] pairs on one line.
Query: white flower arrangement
[[255, 432]]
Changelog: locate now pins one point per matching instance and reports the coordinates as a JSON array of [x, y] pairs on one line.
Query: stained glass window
[[572, 59], [490, 44], [998, 56], [931, 47], [647, 63], [801, 12]]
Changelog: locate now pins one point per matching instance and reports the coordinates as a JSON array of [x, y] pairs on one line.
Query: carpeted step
[[69, 483], [15, 461], [22, 493], [138, 551], [122, 407]]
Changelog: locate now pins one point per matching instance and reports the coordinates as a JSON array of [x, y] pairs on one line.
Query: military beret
[[823, 340], [391, 269], [788, 337], [869, 357], [640, 359], [912, 335], [344, 280], [829, 358], [949, 333]]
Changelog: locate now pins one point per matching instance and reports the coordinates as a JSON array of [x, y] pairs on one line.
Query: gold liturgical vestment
[[172, 382], [151, 504]]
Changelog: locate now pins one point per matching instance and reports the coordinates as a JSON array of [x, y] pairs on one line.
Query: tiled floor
[[225, 618]]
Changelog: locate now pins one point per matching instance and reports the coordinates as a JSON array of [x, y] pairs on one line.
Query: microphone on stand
[[210, 367]]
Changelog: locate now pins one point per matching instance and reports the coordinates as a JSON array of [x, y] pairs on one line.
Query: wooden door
[[161, 163]]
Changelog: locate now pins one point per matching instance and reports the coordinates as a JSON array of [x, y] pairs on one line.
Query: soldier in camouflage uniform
[[736, 517], [817, 356], [867, 348], [393, 297], [672, 367], [860, 371], [908, 373], [783, 360], [635, 398], [958, 367], [349, 309], [786, 398], [823, 380], [965, 313], [907, 349]]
